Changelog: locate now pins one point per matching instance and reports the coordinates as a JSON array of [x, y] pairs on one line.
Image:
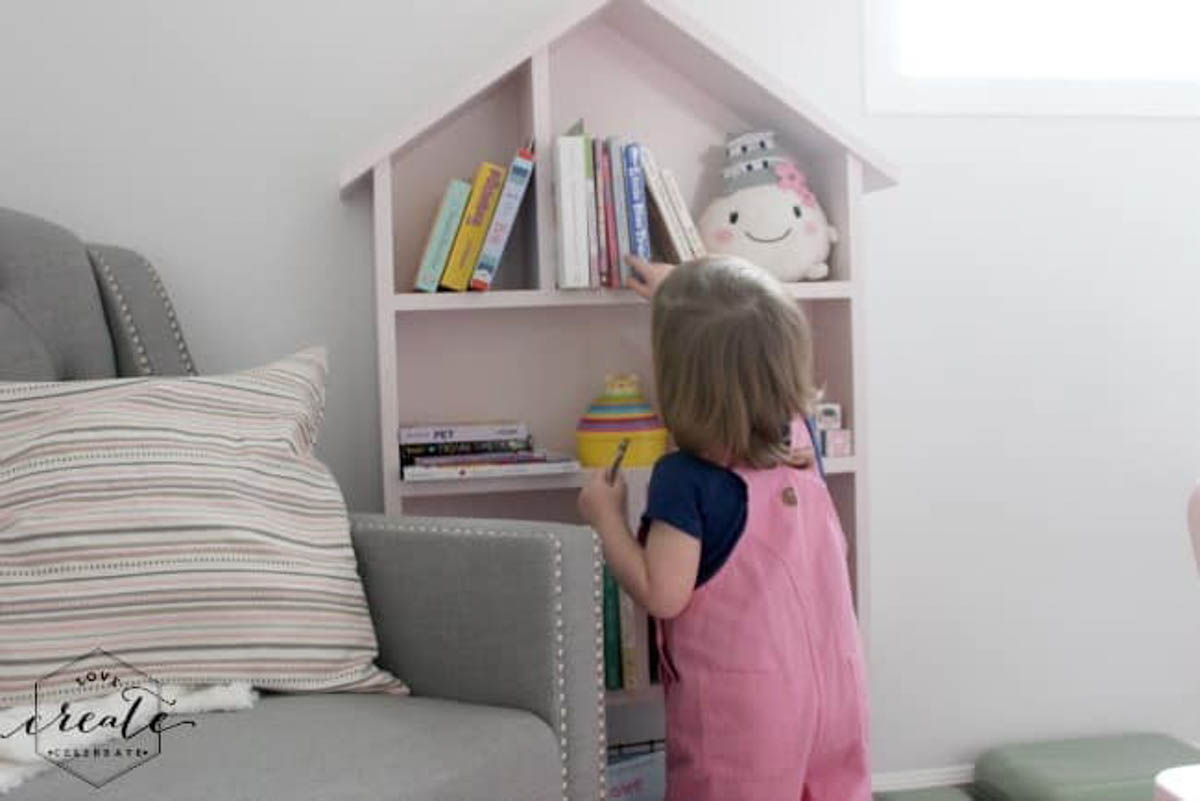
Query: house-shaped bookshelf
[[528, 351]]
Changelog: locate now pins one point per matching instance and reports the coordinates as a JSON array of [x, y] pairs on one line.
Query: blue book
[[616, 160], [638, 213], [441, 236]]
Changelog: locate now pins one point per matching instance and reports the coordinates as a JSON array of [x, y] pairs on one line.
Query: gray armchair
[[494, 624]]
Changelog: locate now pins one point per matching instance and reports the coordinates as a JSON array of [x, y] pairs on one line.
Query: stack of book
[[630, 645], [475, 450], [612, 198], [472, 227]]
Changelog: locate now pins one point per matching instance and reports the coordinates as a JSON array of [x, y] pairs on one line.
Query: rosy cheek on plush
[[810, 228], [723, 235]]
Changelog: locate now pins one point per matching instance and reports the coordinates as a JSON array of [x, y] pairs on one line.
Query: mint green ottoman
[[932, 794], [1116, 768]]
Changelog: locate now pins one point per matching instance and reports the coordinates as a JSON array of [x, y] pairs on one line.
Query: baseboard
[[926, 777]]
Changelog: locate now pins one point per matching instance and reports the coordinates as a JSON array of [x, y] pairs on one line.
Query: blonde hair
[[732, 361]]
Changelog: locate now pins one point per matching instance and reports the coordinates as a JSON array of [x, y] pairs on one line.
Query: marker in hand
[[611, 475]]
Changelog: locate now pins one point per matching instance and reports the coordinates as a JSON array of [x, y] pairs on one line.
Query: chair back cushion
[[52, 324]]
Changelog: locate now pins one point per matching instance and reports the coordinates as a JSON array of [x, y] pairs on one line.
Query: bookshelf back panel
[[490, 127], [619, 88], [833, 359], [542, 366], [554, 506]]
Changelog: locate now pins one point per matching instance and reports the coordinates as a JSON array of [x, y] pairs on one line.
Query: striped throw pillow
[[183, 525]]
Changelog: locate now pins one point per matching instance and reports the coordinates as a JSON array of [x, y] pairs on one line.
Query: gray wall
[[1032, 316]]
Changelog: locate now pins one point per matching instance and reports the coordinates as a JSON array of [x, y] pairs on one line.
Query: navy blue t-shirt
[[702, 499]]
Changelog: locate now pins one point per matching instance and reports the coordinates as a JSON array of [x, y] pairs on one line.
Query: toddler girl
[[741, 558]]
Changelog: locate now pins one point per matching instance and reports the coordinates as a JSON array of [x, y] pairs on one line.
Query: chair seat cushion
[[1112, 768], [337, 746]]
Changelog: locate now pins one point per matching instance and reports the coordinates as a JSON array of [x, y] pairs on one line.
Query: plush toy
[[767, 213]]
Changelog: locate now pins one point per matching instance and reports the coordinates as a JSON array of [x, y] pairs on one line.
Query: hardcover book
[[485, 194], [515, 186], [616, 157], [639, 220], [570, 195], [441, 236], [601, 212]]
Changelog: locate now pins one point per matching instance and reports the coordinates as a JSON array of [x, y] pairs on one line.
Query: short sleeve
[[674, 496]]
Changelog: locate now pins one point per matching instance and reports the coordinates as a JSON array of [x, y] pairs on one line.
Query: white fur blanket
[[19, 759]]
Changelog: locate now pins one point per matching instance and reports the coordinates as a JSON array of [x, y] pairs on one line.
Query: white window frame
[[890, 93]]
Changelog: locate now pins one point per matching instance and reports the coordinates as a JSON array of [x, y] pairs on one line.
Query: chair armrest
[[495, 612]]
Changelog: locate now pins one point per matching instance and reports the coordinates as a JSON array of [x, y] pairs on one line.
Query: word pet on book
[[462, 451], [612, 198]]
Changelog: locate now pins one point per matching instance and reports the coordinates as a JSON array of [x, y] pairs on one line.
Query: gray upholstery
[[499, 619], [336, 748], [474, 610], [52, 326]]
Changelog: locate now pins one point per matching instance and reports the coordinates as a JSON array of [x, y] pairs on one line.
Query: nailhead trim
[[123, 311], [184, 356], [601, 705], [559, 692]]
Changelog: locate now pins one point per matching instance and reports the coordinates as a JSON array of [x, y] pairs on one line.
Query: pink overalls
[[763, 670]]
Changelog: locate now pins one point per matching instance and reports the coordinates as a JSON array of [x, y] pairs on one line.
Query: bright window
[[1033, 56]]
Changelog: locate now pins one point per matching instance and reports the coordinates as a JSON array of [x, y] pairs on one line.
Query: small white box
[[838, 443], [639, 778]]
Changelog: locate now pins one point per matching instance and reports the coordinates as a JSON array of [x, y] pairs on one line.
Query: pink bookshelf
[[528, 351]]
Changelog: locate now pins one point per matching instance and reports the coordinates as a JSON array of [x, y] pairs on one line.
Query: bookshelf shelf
[[679, 88], [537, 298]]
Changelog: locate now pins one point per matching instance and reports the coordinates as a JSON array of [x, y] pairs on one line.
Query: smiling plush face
[[778, 226]]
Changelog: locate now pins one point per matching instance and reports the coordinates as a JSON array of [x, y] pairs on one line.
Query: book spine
[[616, 155], [572, 217], [690, 232], [635, 664], [449, 472], [639, 220], [589, 202], [462, 432], [515, 186], [662, 209], [410, 453], [610, 224], [493, 457], [441, 236], [612, 633], [485, 193], [601, 213]]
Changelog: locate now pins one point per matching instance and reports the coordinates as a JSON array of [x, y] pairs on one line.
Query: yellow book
[[485, 194]]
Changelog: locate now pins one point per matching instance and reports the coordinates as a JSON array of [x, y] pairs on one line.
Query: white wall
[[1033, 311]]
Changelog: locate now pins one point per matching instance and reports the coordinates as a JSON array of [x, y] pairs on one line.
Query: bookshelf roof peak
[[692, 48]]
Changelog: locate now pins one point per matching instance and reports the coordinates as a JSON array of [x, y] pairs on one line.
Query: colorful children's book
[[589, 171], [695, 243], [441, 236], [663, 218], [616, 157], [601, 213], [570, 196], [409, 454], [515, 186], [612, 633], [610, 223], [635, 195], [485, 194]]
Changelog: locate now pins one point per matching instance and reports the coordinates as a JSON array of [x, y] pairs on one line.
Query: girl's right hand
[[647, 275]]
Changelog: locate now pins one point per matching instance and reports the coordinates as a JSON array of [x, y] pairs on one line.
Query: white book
[[464, 472], [570, 190], [664, 208], [462, 432], [616, 157], [695, 243]]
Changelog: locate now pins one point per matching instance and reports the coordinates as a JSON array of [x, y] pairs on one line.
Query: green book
[[441, 236], [612, 633]]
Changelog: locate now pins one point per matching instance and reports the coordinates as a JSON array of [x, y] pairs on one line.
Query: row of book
[[630, 644], [612, 198], [472, 226], [475, 450]]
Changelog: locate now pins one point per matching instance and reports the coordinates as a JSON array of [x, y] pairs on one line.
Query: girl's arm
[[659, 577]]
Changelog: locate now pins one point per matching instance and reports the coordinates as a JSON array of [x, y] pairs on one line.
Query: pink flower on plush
[[723, 235], [791, 179]]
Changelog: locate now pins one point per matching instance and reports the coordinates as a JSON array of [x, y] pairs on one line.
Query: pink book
[[601, 221], [610, 225]]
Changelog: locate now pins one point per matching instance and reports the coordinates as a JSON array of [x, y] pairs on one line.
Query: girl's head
[[732, 361]]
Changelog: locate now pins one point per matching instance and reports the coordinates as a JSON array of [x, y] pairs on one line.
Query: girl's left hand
[[601, 503]]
